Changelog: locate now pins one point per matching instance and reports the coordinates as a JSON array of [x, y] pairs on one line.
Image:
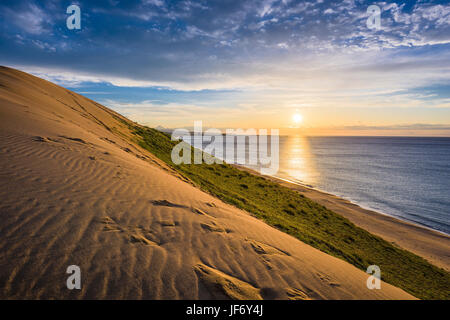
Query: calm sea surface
[[405, 177]]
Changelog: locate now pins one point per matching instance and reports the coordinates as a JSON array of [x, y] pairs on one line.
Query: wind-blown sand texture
[[76, 191]]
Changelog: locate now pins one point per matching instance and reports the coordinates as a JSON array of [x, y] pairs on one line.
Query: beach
[[425, 242]]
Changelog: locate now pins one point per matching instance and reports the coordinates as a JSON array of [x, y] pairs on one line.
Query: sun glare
[[297, 118]]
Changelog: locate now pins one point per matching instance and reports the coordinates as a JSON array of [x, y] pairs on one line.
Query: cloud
[[280, 53], [174, 114], [206, 43], [29, 18]]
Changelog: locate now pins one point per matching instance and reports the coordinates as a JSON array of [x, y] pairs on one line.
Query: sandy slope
[[429, 244], [74, 190]]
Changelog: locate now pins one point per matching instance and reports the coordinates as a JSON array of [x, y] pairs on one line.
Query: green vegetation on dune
[[291, 212]]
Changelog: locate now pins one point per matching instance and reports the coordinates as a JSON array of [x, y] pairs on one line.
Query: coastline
[[90, 188], [430, 244], [342, 197]]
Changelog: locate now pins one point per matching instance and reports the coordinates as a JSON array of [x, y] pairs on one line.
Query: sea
[[404, 177]]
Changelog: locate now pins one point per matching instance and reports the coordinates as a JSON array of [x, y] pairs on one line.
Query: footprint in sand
[[328, 280], [262, 248], [165, 203], [166, 223], [297, 294], [199, 211], [213, 227], [223, 286], [108, 140], [74, 139], [135, 234], [40, 139], [211, 204], [265, 251], [210, 227], [110, 225]]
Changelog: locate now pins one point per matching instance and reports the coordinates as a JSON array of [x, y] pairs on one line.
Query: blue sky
[[242, 63]]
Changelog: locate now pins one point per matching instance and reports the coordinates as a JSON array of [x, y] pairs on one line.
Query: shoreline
[[428, 243], [417, 224], [307, 186]]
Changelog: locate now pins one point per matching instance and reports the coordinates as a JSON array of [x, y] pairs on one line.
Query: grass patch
[[304, 219]]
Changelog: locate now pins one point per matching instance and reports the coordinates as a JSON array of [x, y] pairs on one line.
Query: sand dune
[[76, 190]]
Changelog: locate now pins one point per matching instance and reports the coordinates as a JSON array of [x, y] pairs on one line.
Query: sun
[[297, 118]]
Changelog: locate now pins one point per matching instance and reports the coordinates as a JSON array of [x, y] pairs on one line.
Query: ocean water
[[405, 177]]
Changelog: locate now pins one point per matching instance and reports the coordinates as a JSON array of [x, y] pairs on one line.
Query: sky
[[245, 64]]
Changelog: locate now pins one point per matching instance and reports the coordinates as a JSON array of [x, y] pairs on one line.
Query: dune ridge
[[76, 190]]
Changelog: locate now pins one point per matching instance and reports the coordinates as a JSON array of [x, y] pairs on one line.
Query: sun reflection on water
[[296, 160]]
